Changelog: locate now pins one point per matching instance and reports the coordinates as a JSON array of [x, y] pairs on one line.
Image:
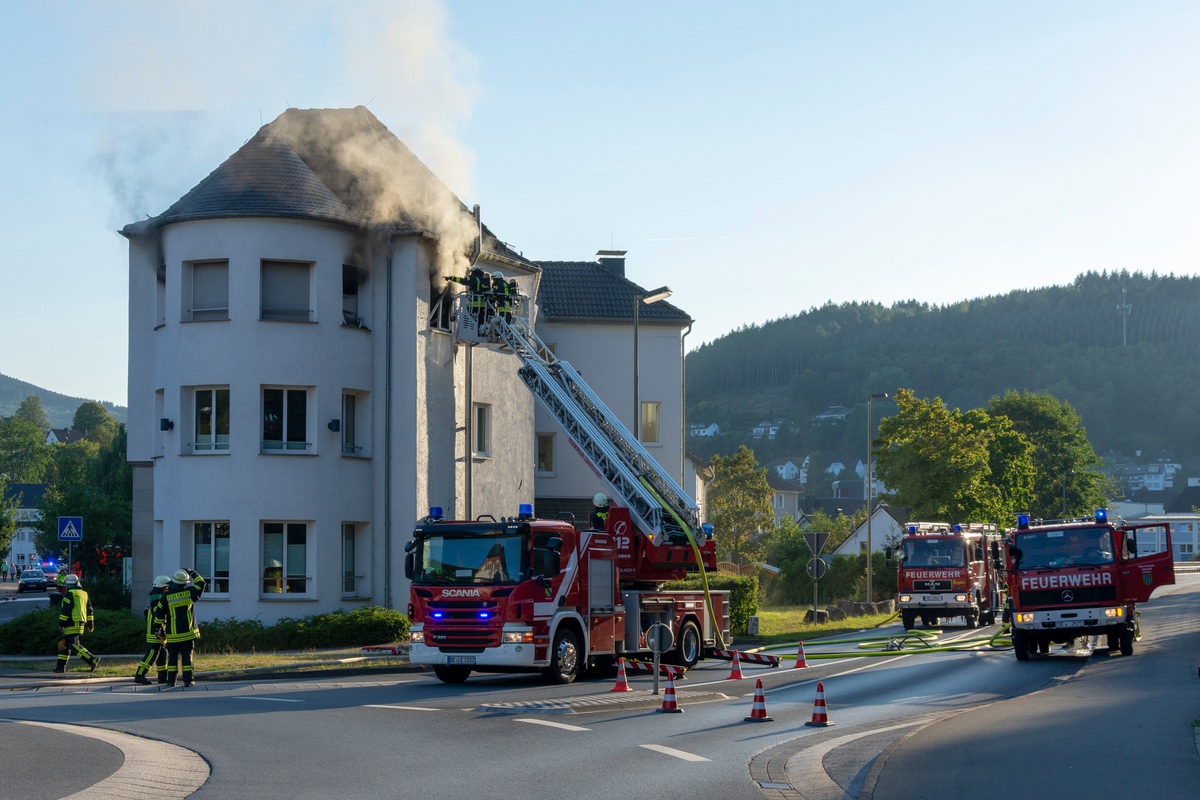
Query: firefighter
[[599, 512], [514, 298], [156, 634], [180, 598], [74, 615], [478, 284], [503, 291]]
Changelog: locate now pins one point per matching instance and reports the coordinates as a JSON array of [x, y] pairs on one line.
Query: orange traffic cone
[[735, 674], [622, 683], [758, 713], [820, 718], [800, 662], [669, 705]]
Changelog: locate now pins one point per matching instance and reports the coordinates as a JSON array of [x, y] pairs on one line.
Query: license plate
[[460, 659], [933, 597]]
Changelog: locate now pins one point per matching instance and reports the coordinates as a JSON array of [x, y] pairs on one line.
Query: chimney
[[612, 260]]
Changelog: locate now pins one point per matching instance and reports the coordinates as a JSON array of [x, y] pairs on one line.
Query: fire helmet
[[498, 275], [71, 580], [599, 501], [181, 576], [161, 581]]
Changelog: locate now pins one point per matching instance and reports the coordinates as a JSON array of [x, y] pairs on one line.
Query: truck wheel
[[1126, 636], [973, 620], [447, 674], [687, 649], [909, 619], [564, 658], [1044, 646], [1020, 644]]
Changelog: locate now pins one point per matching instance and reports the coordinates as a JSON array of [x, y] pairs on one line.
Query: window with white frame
[[354, 423], [210, 428], [352, 581], [545, 453], [1186, 549], [210, 553], [285, 419], [285, 558], [650, 428], [206, 291], [481, 432], [285, 291]]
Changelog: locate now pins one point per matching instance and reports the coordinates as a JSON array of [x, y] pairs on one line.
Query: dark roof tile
[[585, 290]]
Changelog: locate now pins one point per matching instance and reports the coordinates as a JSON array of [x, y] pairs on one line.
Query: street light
[[652, 296], [870, 486]]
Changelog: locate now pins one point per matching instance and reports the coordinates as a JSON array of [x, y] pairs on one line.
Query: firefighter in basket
[[478, 284]]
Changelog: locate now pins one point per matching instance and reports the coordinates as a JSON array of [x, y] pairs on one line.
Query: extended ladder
[[655, 501]]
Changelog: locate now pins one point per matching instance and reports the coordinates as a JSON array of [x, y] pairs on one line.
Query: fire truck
[[945, 571], [524, 594], [1070, 579]]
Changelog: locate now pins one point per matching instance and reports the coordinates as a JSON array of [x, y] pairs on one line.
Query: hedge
[[743, 595]]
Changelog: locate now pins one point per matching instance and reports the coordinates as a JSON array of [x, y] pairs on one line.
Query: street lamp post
[[870, 486], [652, 296]]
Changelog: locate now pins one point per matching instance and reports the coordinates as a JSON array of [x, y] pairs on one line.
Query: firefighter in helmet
[[599, 512], [504, 292], [156, 634], [74, 615], [180, 598], [478, 284]]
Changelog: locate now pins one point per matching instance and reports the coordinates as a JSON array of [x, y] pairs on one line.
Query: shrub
[[743, 595], [36, 633]]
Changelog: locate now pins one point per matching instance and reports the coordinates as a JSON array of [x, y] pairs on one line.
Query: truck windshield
[[1065, 548], [471, 558], [933, 553]]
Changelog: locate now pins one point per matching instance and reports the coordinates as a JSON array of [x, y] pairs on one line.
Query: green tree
[[24, 454], [31, 409], [739, 506], [935, 460], [8, 516], [1067, 478], [94, 420], [74, 462]]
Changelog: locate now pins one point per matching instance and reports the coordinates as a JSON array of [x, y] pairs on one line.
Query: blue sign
[[70, 529]]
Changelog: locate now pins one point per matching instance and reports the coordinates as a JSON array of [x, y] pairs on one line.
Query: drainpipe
[[683, 428], [387, 433]]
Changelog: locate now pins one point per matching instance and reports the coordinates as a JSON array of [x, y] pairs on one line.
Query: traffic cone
[[669, 705], [735, 674], [800, 662], [758, 713], [820, 718], [622, 683]]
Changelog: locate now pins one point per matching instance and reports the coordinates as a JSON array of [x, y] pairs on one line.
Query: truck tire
[[929, 621], [688, 646], [972, 619], [1126, 637], [1020, 644], [564, 658], [909, 619], [448, 674]]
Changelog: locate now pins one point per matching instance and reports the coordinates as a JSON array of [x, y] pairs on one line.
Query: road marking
[[560, 725], [271, 699], [671, 751], [402, 708]]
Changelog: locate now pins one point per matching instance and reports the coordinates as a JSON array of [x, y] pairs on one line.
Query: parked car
[[32, 579]]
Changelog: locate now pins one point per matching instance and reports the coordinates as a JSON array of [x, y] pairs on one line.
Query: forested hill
[[59, 408], [1136, 389]]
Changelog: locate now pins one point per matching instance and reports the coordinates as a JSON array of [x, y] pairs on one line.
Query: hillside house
[[832, 414], [704, 430], [770, 428]]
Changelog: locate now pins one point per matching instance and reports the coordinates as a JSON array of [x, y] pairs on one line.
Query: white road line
[[271, 699], [560, 725], [402, 708], [671, 751]]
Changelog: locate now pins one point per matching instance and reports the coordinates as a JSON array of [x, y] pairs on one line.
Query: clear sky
[[760, 158]]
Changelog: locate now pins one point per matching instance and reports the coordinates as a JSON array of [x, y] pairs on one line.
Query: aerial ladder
[[660, 507]]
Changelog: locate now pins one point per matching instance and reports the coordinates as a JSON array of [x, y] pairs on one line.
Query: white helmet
[[71, 580], [498, 275], [181, 576], [599, 501], [161, 581]]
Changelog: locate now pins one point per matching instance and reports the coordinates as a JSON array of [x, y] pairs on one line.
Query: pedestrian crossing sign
[[70, 529]]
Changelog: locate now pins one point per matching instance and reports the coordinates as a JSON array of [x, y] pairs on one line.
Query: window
[[545, 452], [206, 293], [650, 432], [285, 419], [352, 278], [211, 420], [349, 559], [440, 307], [285, 291], [160, 296], [482, 430], [1186, 549], [211, 554], [349, 410], [285, 557]]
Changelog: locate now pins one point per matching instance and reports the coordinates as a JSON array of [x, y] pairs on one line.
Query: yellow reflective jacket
[[75, 611]]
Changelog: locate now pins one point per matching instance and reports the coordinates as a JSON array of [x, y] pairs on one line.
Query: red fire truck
[[523, 594], [948, 571], [1081, 578]]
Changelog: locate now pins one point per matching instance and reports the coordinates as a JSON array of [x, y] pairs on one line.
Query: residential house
[[64, 436], [832, 414], [792, 471], [704, 430], [296, 397], [23, 552], [886, 525], [786, 499], [770, 428]]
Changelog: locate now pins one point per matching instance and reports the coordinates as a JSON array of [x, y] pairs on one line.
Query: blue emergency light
[[707, 529], [957, 528], [1022, 521], [912, 528], [525, 511], [485, 615], [1101, 515], [435, 512], [437, 614]]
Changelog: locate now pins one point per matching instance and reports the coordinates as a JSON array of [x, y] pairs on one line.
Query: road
[[906, 725]]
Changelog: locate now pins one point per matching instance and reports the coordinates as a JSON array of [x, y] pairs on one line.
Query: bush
[[110, 593], [743, 595], [36, 633]]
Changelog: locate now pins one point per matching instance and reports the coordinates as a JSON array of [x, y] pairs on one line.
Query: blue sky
[[760, 158]]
